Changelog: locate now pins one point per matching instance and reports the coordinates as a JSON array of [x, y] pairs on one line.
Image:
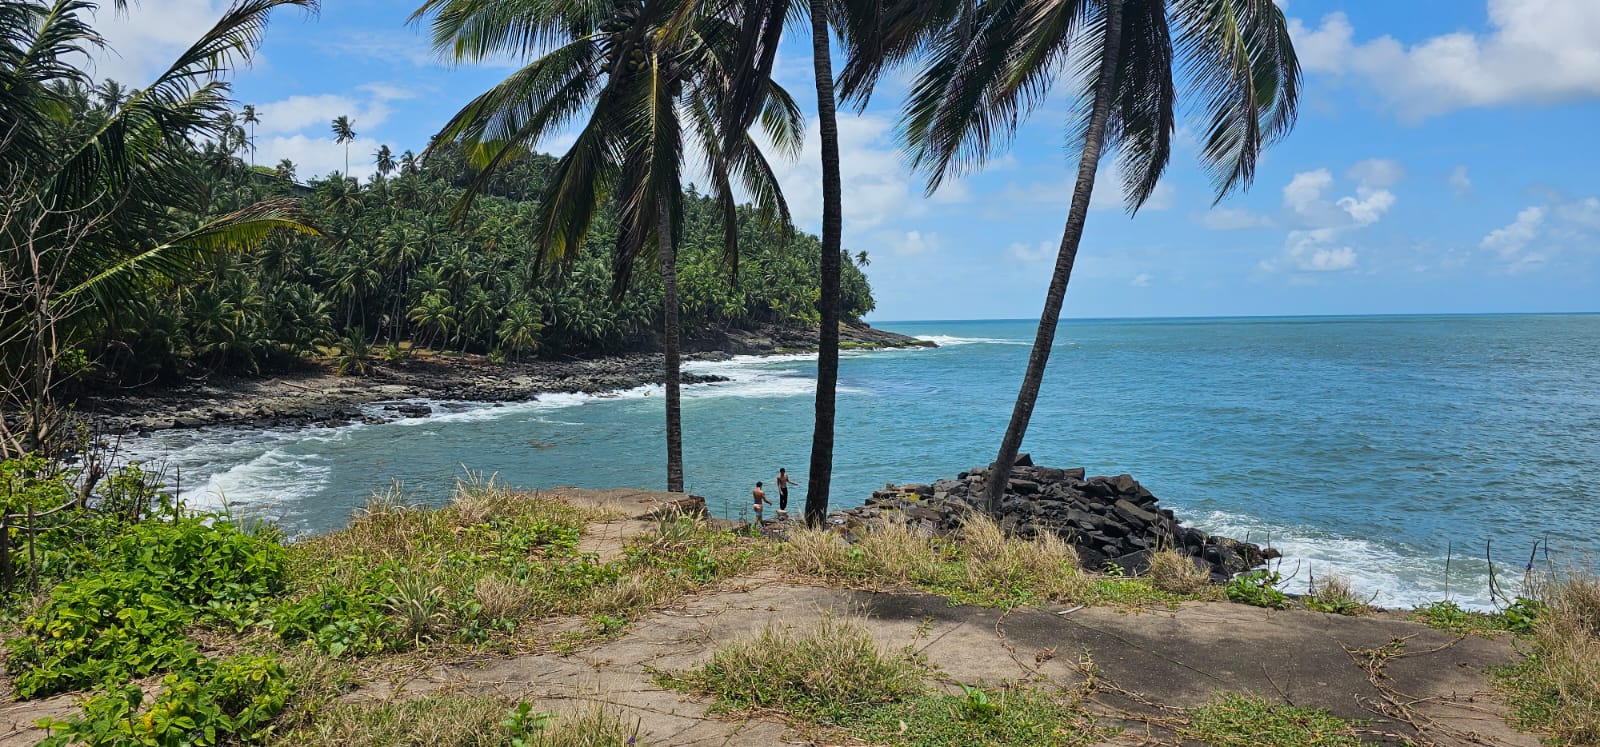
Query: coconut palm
[[1002, 58], [250, 117], [384, 159], [647, 76], [95, 203], [343, 133]]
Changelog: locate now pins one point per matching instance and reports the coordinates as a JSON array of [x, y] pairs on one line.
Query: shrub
[[1258, 589], [232, 700], [1334, 596], [1556, 686], [336, 620]]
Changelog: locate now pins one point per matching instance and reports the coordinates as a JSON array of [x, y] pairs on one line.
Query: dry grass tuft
[[898, 552], [815, 552], [1557, 685], [993, 560], [1176, 573], [501, 598]]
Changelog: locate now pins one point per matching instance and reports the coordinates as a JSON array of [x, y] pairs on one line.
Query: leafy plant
[[977, 706], [1234, 720], [232, 700], [1258, 589]]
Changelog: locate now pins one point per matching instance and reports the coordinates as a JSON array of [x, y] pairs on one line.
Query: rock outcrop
[[1108, 520]]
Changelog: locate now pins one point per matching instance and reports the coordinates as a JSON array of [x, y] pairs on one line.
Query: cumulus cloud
[[143, 41], [1312, 250], [1142, 280], [1368, 205], [318, 156], [876, 185], [1509, 241], [1535, 51], [1377, 172], [1304, 191]]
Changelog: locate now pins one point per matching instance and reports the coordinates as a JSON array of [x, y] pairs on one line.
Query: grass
[[461, 721], [1556, 686], [833, 673], [981, 566], [1178, 574], [1333, 594], [1233, 720], [835, 678]]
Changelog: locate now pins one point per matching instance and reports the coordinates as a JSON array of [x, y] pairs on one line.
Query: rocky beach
[[315, 396]]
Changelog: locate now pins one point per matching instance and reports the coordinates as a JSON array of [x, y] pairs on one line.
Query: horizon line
[[1251, 316]]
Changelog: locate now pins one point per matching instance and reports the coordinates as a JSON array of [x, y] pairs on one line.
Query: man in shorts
[[760, 498], [784, 481]]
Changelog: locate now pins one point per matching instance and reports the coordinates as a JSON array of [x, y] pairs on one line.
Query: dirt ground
[[1431, 688]]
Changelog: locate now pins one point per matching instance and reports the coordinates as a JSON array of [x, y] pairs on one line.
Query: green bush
[[126, 618], [1258, 589], [335, 620], [229, 701]]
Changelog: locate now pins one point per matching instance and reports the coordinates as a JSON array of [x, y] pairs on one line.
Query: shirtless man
[[760, 497], [784, 481]]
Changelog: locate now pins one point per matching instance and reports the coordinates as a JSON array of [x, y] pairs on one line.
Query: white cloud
[[1537, 51], [1583, 212], [1460, 182], [913, 243], [146, 39], [1233, 219], [1368, 206], [1312, 251], [1142, 280], [876, 185], [1108, 191], [1041, 252], [1509, 241], [319, 156], [1304, 191], [300, 113]]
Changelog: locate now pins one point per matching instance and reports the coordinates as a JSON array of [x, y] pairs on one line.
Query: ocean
[[1366, 446]]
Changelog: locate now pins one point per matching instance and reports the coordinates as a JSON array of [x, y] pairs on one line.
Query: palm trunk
[[1094, 141], [669, 344], [820, 475]]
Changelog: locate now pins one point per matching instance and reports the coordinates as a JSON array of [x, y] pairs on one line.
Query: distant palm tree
[[250, 118], [285, 169], [343, 133], [862, 260], [1000, 61], [408, 163], [385, 160]]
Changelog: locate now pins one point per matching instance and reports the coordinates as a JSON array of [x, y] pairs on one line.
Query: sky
[[1445, 161]]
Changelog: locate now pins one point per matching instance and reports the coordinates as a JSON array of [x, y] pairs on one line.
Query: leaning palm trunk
[[1093, 141], [821, 472], [669, 345]]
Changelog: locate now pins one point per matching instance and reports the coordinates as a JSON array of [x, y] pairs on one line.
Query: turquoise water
[[1362, 445]]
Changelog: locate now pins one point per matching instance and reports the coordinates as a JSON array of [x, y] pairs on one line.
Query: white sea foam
[[945, 341], [1390, 576]]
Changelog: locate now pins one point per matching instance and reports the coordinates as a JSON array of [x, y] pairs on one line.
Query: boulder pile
[[1108, 520]]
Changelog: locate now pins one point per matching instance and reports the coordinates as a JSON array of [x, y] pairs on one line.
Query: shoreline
[[315, 396]]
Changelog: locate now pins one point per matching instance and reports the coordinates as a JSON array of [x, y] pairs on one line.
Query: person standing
[[784, 481], [760, 498]]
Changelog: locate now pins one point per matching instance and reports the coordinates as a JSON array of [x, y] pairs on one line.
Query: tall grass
[[1556, 686]]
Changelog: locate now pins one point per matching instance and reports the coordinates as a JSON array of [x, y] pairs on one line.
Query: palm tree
[[644, 75], [876, 33], [1001, 59], [344, 132], [285, 169], [96, 206], [385, 160], [250, 118]]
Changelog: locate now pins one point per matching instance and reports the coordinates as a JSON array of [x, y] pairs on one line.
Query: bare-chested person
[[760, 498], [784, 481]]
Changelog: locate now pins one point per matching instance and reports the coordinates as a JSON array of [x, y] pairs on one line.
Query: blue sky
[[1445, 161]]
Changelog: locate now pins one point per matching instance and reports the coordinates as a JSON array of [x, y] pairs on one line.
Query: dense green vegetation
[[392, 266]]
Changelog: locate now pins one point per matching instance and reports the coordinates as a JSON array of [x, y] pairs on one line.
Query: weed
[[416, 601], [1234, 720], [1020, 718], [1333, 595], [1258, 589], [462, 721]]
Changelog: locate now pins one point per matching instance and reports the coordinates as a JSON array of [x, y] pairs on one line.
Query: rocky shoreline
[[315, 396], [1107, 520]]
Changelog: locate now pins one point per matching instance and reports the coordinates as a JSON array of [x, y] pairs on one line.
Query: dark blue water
[[1362, 445]]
